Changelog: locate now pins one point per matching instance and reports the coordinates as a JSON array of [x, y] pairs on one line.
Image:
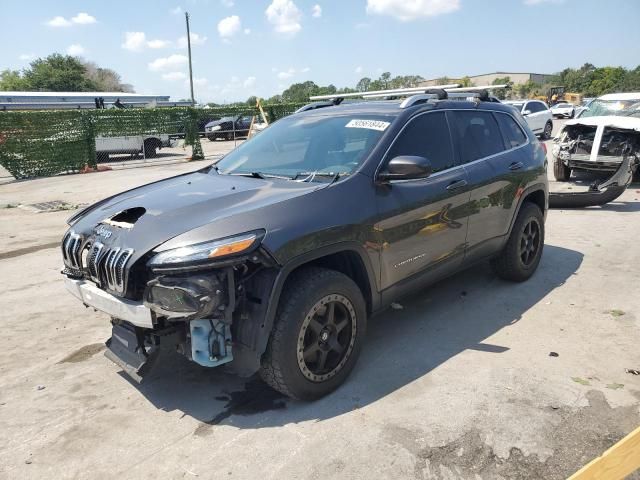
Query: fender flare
[[307, 257], [537, 187]]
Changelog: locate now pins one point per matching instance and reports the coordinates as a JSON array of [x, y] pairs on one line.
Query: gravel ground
[[460, 383]]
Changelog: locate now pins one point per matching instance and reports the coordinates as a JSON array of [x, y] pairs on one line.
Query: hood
[[145, 217], [625, 123], [219, 122]]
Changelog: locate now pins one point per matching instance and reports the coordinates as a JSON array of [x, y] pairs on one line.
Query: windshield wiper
[[259, 175], [309, 176]]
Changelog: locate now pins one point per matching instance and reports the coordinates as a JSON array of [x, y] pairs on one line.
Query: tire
[[521, 255], [306, 301], [548, 128], [561, 171], [229, 136], [212, 138], [150, 146]]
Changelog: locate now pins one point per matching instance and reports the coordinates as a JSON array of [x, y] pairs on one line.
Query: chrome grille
[[72, 251], [107, 267]]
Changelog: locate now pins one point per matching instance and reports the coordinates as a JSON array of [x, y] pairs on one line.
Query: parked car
[[603, 135], [537, 114], [228, 128], [132, 144], [566, 110], [265, 262]]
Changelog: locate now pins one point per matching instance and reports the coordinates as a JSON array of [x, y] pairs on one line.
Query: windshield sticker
[[370, 124]]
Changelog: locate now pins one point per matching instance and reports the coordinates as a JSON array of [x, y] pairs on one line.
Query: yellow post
[[616, 463]]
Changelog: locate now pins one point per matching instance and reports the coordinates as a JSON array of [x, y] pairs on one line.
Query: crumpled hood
[[179, 204]]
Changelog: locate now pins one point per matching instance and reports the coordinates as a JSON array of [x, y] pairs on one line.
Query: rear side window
[[426, 136], [478, 133], [511, 131]]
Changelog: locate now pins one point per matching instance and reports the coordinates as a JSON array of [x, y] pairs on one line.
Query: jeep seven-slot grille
[[105, 266]]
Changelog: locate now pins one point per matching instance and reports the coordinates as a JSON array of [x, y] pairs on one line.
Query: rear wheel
[[521, 255], [150, 146], [317, 336], [561, 172], [548, 128]]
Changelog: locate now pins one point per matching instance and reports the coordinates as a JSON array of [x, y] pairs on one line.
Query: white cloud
[[196, 39], [75, 50], [227, 3], [316, 11], [247, 31], [134, 41], [284, 16], [199, 82], [358, 69], [176, 11], [283, 75], [305, 70], [27, 56], [83, 19], [228, 27], [158, 43], [59, 22], [249, 82], [137, 41], [405, 11], [173, 76], [168, 63]]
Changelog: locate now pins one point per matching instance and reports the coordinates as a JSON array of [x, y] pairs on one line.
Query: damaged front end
[[191, 300]]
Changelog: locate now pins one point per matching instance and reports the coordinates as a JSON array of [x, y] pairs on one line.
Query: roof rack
[[414, 95], [386, 93]]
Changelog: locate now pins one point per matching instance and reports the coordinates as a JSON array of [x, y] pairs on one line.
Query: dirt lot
[[460, 383]]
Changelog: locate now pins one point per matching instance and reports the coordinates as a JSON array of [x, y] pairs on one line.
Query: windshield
[[631, 111], [517, 105], [311, 147], [606, 108]]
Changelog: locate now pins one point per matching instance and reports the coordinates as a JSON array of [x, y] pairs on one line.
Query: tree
[[63, 73], [11, 80], [384, 79], [251, 101], [363, 84], [501, 93], [466, 82]]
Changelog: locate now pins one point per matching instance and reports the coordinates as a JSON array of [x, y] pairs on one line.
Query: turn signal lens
[[231, 248]]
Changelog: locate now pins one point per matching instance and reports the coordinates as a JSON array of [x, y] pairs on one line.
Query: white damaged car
[[600, 142]]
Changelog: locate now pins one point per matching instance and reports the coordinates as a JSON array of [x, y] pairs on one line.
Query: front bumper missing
[[133, 312]]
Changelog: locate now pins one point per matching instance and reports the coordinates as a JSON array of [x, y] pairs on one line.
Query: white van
[[148, 145]]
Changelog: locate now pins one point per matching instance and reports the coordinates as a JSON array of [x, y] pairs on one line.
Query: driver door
[[423, 222]]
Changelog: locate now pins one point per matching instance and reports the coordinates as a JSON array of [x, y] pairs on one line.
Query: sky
[[260, 47]]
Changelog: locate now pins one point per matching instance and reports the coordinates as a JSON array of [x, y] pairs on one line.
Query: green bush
[[50, 142]]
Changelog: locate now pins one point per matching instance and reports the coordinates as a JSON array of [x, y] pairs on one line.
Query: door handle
[[516, 166], [456, 184]]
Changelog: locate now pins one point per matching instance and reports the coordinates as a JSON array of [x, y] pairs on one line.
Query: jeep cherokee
[[272, 259]]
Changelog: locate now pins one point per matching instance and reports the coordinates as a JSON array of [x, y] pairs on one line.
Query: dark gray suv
[[272, 260]]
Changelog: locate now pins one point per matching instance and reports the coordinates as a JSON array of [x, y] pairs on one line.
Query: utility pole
[[186, 16]]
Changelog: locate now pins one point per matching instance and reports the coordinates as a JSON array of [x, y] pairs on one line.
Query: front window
[[307, 147], [605, 108]]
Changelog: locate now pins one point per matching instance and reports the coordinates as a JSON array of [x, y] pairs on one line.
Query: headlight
[[208, 251], [215, 128]]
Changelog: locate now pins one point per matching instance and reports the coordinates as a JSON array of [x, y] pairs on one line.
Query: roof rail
[[316, 105], [384, 93]]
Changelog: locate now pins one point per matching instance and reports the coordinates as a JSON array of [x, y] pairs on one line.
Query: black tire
[[212, 138], [561, 172], [521, 255], [150, 146], [284, 365], [229, 136], [548, 129]]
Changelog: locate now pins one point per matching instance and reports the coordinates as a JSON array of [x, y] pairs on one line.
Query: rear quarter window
[[513, 134]]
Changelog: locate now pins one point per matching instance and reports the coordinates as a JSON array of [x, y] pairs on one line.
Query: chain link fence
[[50, 142]]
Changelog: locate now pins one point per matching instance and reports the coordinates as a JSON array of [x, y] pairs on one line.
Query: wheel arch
[[536, 194], [349, 258]]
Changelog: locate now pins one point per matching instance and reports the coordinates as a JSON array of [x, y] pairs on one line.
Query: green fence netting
[[49, 142]]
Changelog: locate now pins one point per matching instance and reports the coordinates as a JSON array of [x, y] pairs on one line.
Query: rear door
[[493, 160], [423, 223], [538, 116]]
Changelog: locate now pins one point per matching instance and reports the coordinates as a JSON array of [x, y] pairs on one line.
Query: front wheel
[[521, 255], [317, 336], [546, 133], [561, 172]]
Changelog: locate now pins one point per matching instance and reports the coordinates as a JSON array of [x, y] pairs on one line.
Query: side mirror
[[406, 167], [526, 112]]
